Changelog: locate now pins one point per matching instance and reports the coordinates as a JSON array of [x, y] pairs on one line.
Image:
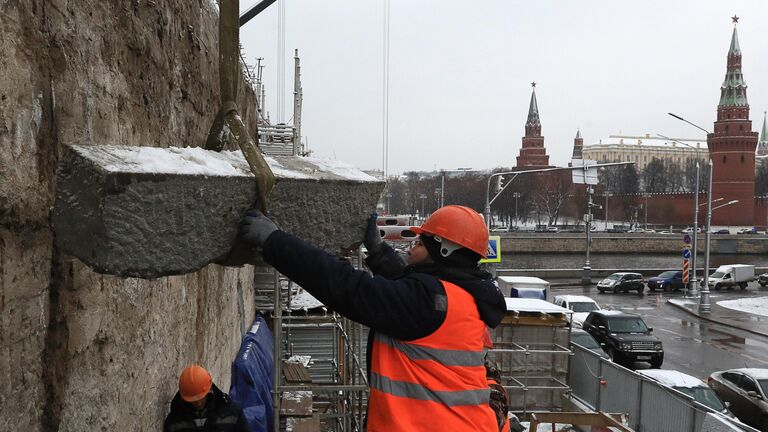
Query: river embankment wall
[[605, 243]]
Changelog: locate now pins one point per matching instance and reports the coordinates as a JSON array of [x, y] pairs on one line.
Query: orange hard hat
[[460, 225], [194, 383]]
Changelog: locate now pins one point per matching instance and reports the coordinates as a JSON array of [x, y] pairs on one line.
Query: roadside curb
[[706, 318]]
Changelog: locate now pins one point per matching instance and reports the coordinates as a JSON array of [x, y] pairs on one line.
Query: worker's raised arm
[[408, 308]]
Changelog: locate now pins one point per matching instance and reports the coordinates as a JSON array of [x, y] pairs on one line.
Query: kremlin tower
[[762, 146], [578, 145], [533, 153], [732, 146]]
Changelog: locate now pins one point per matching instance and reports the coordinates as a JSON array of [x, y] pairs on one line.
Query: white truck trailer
[[727, 276]]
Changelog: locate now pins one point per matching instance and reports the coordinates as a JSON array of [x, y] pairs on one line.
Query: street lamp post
[[516, 195], [586, 271], [704, 305], [606, 209], [388, 195], [696, 231], [646, 211], [692, 282], [423, 202], [442, 182]]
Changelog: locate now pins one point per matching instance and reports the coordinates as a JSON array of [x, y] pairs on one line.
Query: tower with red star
[[533, 153], [732, 145]]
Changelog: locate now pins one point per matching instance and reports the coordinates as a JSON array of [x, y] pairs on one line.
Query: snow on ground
[[753, 305]]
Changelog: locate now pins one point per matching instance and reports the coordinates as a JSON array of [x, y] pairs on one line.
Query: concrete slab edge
[[706, 318]]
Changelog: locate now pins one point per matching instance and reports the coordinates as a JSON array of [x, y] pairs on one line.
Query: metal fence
[[605, 386]]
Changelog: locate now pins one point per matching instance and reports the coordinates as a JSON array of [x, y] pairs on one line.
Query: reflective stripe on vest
[[446, 357], [416, 391], [436, 382]]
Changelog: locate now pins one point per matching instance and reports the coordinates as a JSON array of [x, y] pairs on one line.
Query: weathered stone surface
[[80, 351], [149, 212], [122, 342], [24, 279]]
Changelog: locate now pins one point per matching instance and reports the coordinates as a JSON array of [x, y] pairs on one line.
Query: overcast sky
[[460, 73]]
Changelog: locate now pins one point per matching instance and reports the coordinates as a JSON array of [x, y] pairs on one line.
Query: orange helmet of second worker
[[459, 224], [194, 383]]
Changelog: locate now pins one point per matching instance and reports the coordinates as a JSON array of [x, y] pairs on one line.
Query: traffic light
[[499, 183]]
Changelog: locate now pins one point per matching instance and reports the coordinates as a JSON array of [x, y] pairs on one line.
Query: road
[[692, 346]]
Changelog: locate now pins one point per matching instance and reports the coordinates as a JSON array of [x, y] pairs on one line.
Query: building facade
[[642, 149]]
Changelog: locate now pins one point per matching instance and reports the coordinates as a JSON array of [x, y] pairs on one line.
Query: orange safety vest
[[436, 382]]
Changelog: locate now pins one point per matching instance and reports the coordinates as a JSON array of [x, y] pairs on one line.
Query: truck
[[523, 287], [727, 276]]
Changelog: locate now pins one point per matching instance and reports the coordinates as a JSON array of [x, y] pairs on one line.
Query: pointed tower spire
[[533, 108], [533, 152], [734, 42], [733, 92], [578, 145], [762, 146]]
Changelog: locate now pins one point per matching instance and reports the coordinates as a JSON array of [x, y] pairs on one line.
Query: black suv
[[625, 337]]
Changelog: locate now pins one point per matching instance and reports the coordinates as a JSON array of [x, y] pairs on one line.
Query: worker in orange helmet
[[200, 406], [427, 316]]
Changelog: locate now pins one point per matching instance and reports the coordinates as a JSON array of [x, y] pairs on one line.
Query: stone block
[[150, 212]]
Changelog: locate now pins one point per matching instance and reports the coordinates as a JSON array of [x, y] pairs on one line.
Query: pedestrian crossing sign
[[494, 251]]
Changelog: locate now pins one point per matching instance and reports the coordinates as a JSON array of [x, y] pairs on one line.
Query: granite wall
[[78, 350]]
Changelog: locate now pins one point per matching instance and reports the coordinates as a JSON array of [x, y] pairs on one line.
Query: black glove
[[255, 228], [372, 239]]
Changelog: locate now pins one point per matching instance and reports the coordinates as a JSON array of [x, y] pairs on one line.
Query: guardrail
[[606, 386]]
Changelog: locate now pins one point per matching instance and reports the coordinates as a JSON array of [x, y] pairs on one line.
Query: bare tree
[[654, 179], [551, 192]]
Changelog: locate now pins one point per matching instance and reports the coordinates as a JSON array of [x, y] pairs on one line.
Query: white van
[[580, 305], [727, 276]]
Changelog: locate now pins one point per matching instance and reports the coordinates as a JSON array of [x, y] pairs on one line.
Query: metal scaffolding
[[339, 386]]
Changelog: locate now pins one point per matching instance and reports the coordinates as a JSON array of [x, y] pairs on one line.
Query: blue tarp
[[252, 377]]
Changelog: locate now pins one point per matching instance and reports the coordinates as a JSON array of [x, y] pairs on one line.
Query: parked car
[[669, 280], [552, 229], [622, 282], [689, 230], [500, 229], [691, 386], [585, 340], [746, 390], [580, 305], [721, 231], [625, 337], [763, 279], [752, 230], [636, 231], [728, 276]]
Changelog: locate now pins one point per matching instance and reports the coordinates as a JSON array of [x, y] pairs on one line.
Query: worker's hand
[[372, 239], [255, 228]]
